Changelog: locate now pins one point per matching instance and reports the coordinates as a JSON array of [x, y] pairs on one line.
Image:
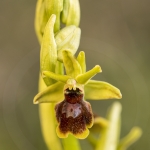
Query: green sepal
[[54, 7], [110, 135], [71, 12], [129, 139], [82, 61], [98, 90], [48, 55], [51, 94], [68, 38], [58, 77], [72, 66], [85, 77]]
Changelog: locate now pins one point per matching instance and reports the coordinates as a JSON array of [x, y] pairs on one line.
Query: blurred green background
[[115, 35]]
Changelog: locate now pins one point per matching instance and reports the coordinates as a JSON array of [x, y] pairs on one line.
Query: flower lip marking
[[71, 110]]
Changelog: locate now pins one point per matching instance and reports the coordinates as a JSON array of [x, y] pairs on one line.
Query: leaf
[[51, 94], [97, 90], [48, 55]]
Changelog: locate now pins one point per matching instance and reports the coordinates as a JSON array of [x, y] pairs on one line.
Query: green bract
[[48, 56]]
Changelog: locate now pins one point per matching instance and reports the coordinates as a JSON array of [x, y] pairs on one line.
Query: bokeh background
[[115, 35]]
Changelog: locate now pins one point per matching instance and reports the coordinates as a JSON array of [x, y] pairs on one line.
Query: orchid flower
[[73, 113]]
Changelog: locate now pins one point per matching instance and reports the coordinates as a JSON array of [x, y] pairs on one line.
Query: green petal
[[68, 39], [132, 137], [110, 135], [81, 60], [97, 90], [54, 7], [84, 78], [53, 93], [72, 66], [58, 77], [48, 56]]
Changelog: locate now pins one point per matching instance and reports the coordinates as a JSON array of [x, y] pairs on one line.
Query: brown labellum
[[74, 115]]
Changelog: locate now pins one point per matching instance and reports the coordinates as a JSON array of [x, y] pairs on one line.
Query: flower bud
[[68, 39]]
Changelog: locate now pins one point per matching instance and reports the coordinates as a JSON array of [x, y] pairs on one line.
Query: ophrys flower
[[73, 113]]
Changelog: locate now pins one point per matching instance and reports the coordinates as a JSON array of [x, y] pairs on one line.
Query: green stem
[[71, 143], [92, 140]]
